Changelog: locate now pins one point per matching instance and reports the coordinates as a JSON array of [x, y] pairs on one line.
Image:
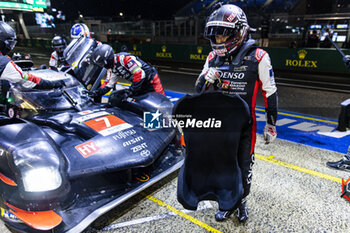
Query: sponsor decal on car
[[124, 134], [145, 153], [138, 148], [87, 149], [91, 116], [132, 141], [108, 125]]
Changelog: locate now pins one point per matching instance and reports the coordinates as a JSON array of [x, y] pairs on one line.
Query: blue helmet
[[78, 30]]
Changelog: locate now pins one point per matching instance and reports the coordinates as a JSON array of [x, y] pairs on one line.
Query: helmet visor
[[217, 30], [11, 43], [212, 31], [59, 48], [97, 60]]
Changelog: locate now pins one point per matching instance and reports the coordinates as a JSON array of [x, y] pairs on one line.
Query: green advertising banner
[[15, 5], [307, 59], [167, 52], [28, 5], [39, 4], [293, 59]]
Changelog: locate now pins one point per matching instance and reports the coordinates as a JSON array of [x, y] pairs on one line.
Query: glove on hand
[[93, 94], [212, 75], [99, 92], [59, 84], [127, 93], [269, 133], [346, 60]]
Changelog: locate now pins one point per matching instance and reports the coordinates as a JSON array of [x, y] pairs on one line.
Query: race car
[[65, 160]]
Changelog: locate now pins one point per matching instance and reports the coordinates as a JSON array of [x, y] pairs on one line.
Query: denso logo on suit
[[231, 75]]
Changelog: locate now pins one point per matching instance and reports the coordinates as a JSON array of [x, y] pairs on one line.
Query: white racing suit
[[10, 72], [57, 60], [244, 74]]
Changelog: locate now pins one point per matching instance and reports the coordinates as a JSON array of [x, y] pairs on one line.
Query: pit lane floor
[[286, 196], [292, 189]]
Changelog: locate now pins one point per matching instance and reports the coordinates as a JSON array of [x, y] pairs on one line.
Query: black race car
[[65, 160]]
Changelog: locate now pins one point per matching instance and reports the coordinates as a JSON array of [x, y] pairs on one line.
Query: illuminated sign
[[342, 26], [328, 26], [39, 3], [25, 5], [16, 6], [315, 26]]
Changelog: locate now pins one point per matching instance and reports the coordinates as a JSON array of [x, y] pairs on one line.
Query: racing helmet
[[16, 57], [58, 43], [78, 30], [103, 56], [8, 38], [228, 20]]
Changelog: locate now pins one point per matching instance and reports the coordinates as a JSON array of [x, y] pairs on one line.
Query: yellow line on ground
[[182, 214], [297, 168], [303, 117]]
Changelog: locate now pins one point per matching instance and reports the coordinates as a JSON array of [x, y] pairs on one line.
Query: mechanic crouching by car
[[10, 71], [143, 77], [237, 66]]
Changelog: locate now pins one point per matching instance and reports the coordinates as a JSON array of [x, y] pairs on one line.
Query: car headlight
[[41, 179], [39, 166]]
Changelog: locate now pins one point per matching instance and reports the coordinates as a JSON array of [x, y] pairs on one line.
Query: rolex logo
[[199, 49], [302, 54], [134, 47], [163, 48]]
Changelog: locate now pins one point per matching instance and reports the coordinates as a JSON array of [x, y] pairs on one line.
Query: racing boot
[[222, 215], [343, 164], [242, 211]]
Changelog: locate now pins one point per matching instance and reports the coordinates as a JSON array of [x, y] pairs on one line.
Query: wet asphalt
[[287, 194]]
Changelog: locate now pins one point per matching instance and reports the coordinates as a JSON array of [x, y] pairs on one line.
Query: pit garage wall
[[293, 59]]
